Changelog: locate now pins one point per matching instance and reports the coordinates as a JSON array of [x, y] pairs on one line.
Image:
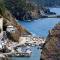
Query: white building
[[1, 47], [11, 29], [1, 29], [23, 40], [1, 23]]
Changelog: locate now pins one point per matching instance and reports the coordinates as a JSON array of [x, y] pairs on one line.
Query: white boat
[[24, 53]]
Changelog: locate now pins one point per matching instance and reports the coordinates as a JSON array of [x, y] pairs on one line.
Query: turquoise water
[[56, 10], [41, 27], [38, 27]]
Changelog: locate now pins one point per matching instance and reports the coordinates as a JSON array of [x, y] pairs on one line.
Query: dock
[[17, 54], [30, 40]]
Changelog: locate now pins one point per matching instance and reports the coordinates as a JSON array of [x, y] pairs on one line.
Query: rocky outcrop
[[9, 19], [51, 49], [19, 8]]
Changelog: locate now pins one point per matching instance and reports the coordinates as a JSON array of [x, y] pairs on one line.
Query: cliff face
[[51, 49], [24, 9], [9, 19], [20, 9], [48, 3]]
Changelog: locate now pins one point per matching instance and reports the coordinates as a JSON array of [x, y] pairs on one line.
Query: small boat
[[27, 20], [33, 45], [39, 47], [23, 52]]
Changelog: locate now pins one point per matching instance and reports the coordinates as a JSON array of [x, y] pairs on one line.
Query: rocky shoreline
[[51, 49]]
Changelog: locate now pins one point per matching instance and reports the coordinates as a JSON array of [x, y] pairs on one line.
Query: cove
[[41, 26]]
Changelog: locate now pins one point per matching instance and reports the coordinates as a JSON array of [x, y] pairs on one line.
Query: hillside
[[9, 19], [47, 3], [29, 9], [25, 9], [51, 49], [22, 10]]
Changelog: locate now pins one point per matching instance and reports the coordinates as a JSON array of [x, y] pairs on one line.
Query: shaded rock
[[51, 49], [10, 20]]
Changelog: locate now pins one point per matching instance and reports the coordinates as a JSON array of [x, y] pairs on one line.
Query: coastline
[[43, 16], [29, 33]]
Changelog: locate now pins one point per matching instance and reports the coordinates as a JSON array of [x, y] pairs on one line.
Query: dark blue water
[[40, 27]]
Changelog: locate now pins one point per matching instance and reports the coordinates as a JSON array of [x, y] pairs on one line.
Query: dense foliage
[[49, 3], [2, 7], [26, 9], [18, 7]]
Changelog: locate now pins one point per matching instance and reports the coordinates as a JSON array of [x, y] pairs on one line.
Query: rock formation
[[51, 49], [9, 19]]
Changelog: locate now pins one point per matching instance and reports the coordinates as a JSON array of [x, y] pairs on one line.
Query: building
[[1, 24], [11, 29], [24, 39]]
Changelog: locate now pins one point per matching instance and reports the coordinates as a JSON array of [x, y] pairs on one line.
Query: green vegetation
[[2, 7], [48, 3], [18, 8], [15, 4]]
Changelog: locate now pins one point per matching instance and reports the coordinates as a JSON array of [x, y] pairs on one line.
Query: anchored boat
[[26, 52]]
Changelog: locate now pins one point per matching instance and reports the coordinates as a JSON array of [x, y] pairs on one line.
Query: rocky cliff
[[48, 3], [9, 19], [51, 49], [20, 9], [25, 9]]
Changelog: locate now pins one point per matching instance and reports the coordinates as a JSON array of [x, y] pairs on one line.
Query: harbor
[[39, 27], [28, 47], [29, 29], [22, 48]]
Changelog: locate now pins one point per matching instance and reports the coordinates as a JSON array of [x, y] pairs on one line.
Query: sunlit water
[[40, 27], [56, 10]]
